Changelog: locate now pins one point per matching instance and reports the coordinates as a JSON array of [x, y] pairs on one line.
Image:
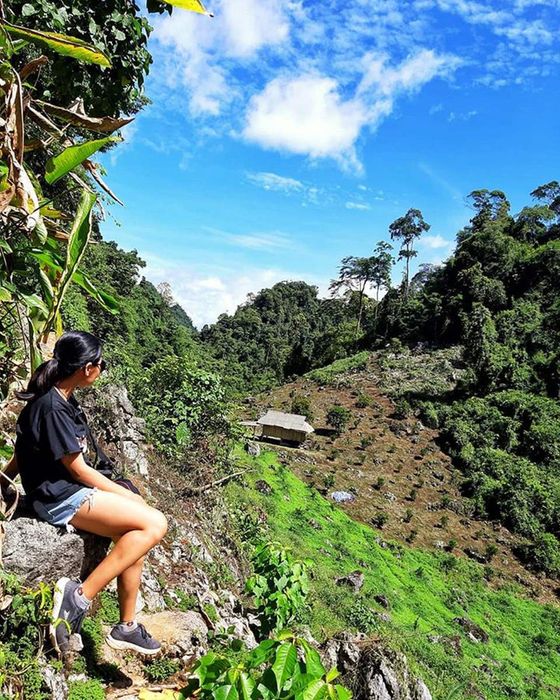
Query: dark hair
[[73, 350]]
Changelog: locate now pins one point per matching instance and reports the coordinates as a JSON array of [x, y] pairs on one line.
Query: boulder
[[115, 424], [252, 449], [354, 580], [37, 551], [371, 671], [182, 634]]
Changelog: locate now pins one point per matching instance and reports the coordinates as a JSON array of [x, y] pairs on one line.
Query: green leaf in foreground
[[71, 157], [284, 664], [62, 44]]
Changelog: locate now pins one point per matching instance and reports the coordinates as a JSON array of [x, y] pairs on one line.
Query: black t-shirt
[[47, 429]]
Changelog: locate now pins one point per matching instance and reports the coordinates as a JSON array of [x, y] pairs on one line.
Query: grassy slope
[[426, 592]]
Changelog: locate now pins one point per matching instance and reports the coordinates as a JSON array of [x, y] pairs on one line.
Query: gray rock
[[474, 632], [252, 449], [54, 680], [373, 672], [342, 496], [117, 427], [37, 551], [354, 580]]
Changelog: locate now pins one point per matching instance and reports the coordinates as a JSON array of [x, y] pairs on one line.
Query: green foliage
[[543, 554], [161, 669], [182, 404], [23, 616], [286, 667], [301, 406], [90, 689], [116, 28], [508, 445], [277, 333], [362, 618], [332, 373], [279, 585], [421, 606], [108, 611], [363, 400], [338, 418]]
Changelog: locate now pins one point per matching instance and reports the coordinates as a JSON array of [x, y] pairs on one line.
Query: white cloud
[[207, 293], [251, 24], [272, 181], [305, 115], [435, 242], [308, 114], [461, 116], [195, 48], [360, 206], [261, 241]]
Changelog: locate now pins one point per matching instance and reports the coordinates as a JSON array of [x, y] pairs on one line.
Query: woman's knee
[[157, 526]]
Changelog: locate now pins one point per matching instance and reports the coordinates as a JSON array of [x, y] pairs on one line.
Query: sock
[[80, 599], [128, 627]]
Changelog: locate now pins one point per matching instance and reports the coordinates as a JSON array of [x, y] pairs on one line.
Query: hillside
[[403, 483]]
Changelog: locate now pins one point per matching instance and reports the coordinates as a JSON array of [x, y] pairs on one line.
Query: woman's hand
[[88, 476]]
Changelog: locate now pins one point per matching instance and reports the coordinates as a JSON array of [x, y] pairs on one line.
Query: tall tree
[[382, 263], [354, 275], [407, 229]]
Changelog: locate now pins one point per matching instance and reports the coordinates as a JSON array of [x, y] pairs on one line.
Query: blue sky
[[285, 135]]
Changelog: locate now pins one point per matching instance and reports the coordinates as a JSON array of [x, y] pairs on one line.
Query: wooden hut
[[284, 426]]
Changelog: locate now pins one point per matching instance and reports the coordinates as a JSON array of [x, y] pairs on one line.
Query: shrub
[[301, 406], [403, 409], [362, 617], [86, 690], [160, 669], [380, 520], [363, 400], [429, 414], [279, 585], [286, 667], [543, 554], [338, 418]]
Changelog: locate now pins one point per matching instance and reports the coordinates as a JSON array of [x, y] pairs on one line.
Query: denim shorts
[[61, 513]]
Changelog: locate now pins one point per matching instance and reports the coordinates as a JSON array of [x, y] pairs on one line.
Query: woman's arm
[[88, 476]]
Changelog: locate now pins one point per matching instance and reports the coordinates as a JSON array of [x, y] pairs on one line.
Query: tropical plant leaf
[[79, 235], [342, 693], [62, 44], [246, 686], [64, 162], [192, 5], [225, 692], [284, 664], [105, 300], [313, 663], [332, 675], [315, 690], [261, 653], [99, 124]]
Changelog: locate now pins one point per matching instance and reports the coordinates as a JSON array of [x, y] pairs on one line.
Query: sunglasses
[[101, 364]]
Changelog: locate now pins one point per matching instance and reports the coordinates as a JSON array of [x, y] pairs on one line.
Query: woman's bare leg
[[137, 526], [128, 585]]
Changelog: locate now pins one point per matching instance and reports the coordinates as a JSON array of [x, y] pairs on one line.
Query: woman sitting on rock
[[51, 457]]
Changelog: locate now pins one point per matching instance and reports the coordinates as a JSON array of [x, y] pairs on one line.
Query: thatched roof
[[289, 421]]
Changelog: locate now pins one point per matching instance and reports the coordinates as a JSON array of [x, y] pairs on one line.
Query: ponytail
[[72, 351], [43, 379]]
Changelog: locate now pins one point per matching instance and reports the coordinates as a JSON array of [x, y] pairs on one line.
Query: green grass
[[331, 373], [426, 591]]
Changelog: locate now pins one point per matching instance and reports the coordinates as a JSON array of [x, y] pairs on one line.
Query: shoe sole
[[58, 597], [122, 645]]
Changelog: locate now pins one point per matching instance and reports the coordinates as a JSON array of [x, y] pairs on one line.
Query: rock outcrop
[[116, 425], [37, 551], [373, 672]]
